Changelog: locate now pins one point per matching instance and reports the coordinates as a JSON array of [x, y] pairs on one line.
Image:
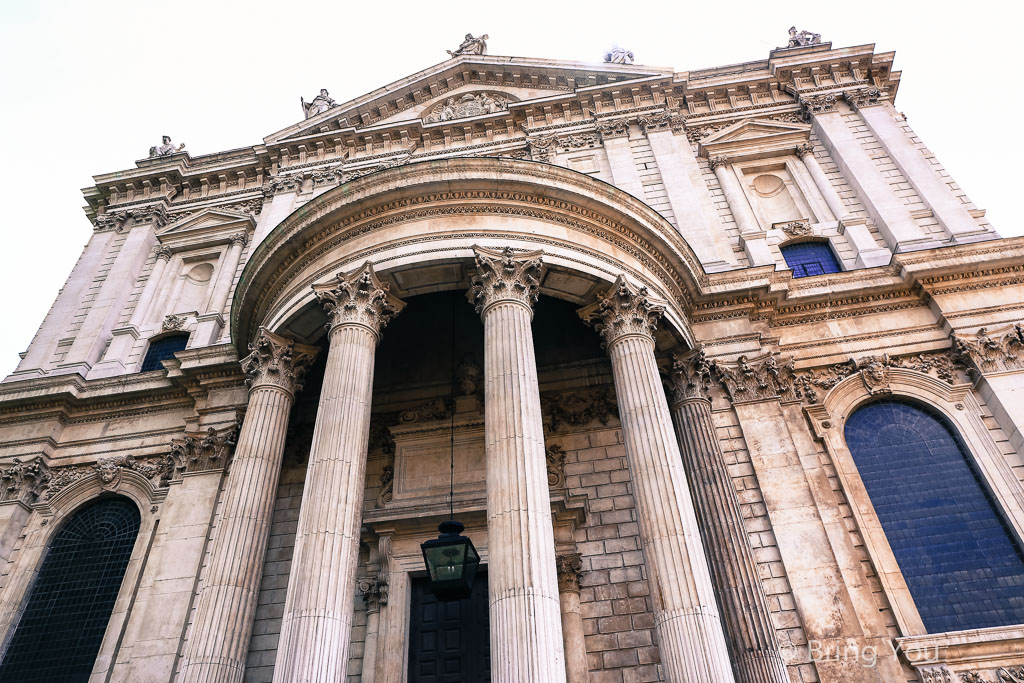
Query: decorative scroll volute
[[690, 376], [625, 311], [358, 298], [506, 276], [277, 361]]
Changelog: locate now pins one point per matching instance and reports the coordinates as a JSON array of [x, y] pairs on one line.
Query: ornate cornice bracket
[[277, 361], [625, 310], [358, 297], [505, 276]]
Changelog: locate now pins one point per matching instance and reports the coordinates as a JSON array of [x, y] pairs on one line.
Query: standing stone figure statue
[[166, 148], [319, 105], [617, 55], [802, 38], [471, 46]]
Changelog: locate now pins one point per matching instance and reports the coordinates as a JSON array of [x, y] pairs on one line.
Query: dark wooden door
[[449, 641]]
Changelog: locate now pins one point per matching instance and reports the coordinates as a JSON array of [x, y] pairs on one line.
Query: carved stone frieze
[[689, 376], [626, 310], [201, 451], [569, 568], [284, 183], [756, 379], [111, 220], [108, 471], [155, 214], [812, 105], [555, 457], [505, 276], [576, 408], [935, 674], [995, 351], [542, 147], [1011, 674], [470, 104], [25, 480], [358, 298], [328, 176], [274, 360], [664, 121], [811, 385]]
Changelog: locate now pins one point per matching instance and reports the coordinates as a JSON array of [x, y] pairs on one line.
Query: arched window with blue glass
[[163, 348], [60, 629], [962, 562], [810, 258]]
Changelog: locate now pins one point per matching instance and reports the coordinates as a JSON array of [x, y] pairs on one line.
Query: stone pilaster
[[526, 630], [570, 568], [753, 644], [686, 619], [751, 233], [227, 599], [317, 621], [994, 358]]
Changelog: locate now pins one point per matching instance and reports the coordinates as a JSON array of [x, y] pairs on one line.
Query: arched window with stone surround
[[59, 631], [961, 561], [810, 258], [161, 349]]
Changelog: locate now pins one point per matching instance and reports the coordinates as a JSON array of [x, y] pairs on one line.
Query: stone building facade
[[724, 369]]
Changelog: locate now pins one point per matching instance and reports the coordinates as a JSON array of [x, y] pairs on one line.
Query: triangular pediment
[[210, 223], [497, 83], [755, 135]]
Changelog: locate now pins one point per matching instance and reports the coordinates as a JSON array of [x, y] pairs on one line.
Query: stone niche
[[422, 462]]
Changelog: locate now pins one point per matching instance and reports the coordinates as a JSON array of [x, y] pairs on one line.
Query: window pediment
[[755, 138]]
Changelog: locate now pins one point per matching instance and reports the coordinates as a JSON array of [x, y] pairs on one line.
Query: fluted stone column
[[686, 620], [317, 622], [569, 567], [224, 615], [753, 644], [525, 621]]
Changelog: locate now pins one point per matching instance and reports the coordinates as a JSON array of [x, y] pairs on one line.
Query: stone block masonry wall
[[650, 176], [785, 617], [618, 618]]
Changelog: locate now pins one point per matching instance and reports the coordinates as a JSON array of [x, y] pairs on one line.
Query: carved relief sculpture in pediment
[[469, 104]]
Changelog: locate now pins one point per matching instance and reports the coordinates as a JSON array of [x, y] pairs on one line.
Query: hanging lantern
[[452, 562]]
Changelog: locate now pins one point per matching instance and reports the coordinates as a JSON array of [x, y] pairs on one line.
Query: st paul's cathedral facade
[[719, 372]]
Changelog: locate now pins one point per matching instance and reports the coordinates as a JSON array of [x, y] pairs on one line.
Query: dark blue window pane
[[810, 258], [961, 562], [162, 349], [60, 631]]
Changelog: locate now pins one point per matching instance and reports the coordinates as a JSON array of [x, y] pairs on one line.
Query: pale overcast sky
[[88, 87]]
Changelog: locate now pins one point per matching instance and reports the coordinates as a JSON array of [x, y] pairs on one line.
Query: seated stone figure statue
[[471, 46]]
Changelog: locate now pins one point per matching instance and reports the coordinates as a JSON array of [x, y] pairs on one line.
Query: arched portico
[[508, 231]]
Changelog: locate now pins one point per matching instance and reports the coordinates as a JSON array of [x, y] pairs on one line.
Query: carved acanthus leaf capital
[[864, 97], [200, 451], [626, 310], [506, 276], [757, 379], [358, 298], [569, 568], [991, 351], [812, 105], [24, 480], [613, 129], [375, 592], [241, 239], [690, 376], [718, 162], [277, 361], [804, 149], [164, 252]]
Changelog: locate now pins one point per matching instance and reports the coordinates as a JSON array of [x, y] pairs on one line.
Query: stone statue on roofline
[[618, 55], [471, 46], [165, 149], [802, 38], [319, 105]]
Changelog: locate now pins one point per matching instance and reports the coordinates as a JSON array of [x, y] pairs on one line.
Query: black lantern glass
[[452, 562]]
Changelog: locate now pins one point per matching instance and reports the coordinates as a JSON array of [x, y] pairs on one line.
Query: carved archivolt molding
[[999, 350], [277, 361], [626, 310], [358, 298], [505, 276], [874, 371], [108, 472]]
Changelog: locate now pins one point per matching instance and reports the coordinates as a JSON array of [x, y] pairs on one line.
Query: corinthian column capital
[[690, 376], [624, 311], [277, 361], [569, 568], [358, 298], [506, 276]]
